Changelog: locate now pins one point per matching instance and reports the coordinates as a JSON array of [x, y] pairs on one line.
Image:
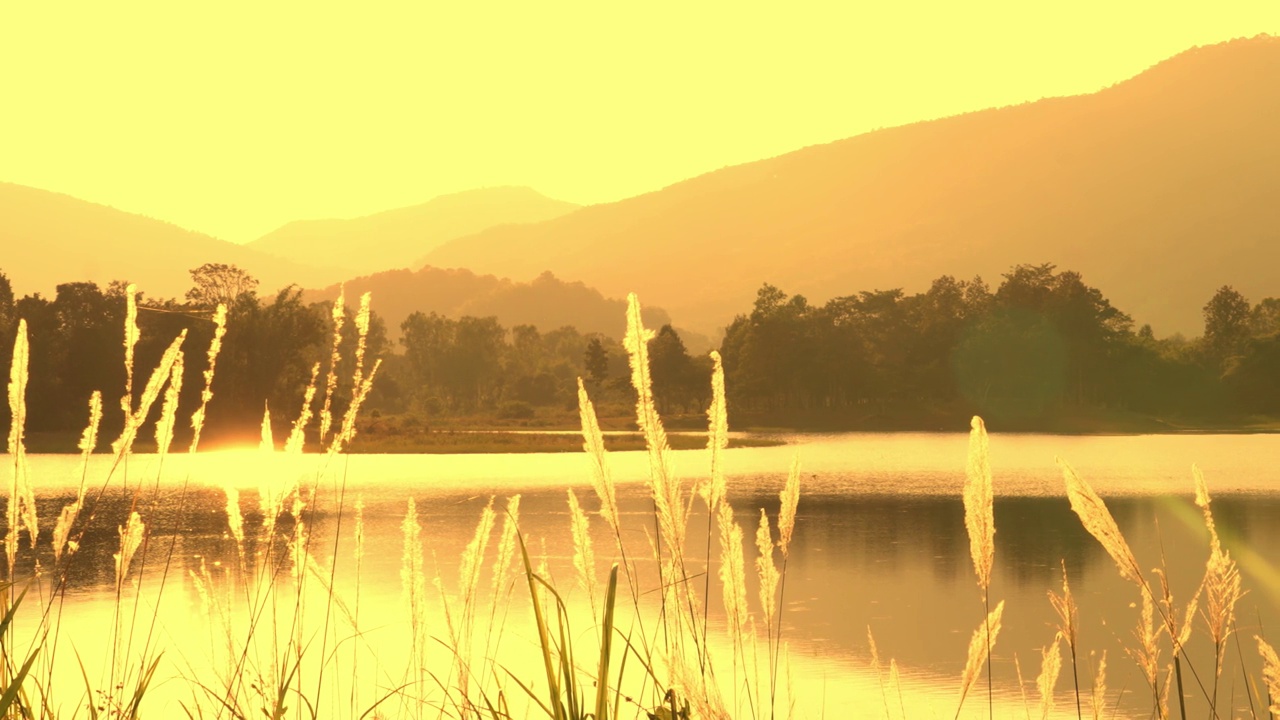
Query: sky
[[233, 118]]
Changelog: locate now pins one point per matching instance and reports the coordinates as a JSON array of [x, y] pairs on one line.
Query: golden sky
[[233, 118]]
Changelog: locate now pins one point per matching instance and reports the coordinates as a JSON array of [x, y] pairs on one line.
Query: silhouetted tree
[[215, 283], [1226, 324]]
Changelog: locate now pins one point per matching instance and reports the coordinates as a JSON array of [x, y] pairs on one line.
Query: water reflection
[[880, 543]]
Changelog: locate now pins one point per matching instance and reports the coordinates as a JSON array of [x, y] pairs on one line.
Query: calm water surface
[[879, 544]]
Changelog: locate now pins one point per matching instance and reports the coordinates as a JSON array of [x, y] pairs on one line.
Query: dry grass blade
[[979, 519], [1097, 520], [983, 640]]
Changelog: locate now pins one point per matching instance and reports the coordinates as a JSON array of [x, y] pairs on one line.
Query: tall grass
[[672, 631]]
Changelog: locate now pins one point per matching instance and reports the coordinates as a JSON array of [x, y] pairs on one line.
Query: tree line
[[1042, 342]]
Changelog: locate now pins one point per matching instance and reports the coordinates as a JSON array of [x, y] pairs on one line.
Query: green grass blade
[[544, 637], [606, 646]]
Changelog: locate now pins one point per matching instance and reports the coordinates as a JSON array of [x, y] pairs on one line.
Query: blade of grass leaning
[[544, 637], [606, 647]]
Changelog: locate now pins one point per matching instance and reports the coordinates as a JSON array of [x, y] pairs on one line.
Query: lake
[[879, 543]]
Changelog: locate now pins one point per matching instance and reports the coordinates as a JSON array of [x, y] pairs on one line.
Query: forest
[[1041, 345]]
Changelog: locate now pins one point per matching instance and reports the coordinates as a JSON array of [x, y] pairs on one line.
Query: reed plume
[[267, 443], [1147, 652], [88, 442], [1097, 520], [584, 559], [1098, 698], [1221, 582], [348, 432], [978, 498], [131, 336], [298, 435], [767, 571], [362, 336], [169, 409], [131, 534], [593, 443], [717, 435], [790, 500], [335, 356], [505, 560], [133, 422], [22, 503], [980, 645], [667, 494], [1064, 606], [215, 348], [1270, 673], [1050, 666], [414, 585], [732, 573]]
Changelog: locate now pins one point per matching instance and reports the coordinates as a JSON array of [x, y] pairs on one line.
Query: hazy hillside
[[396, 238], [546, 302], [48, 238], [1159, 190]]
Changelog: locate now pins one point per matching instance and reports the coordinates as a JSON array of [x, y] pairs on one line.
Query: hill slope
[[395, 238], [48, 238], [1159, 190], [546, 303]]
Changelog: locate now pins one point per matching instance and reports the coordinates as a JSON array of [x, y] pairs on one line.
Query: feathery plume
[[88, 442], [766, 569], [124, 444], [732, 573], [1064, 606], [978, 497], [1098, 698], [412, 578], [667, 495], [362, 337], [215, 348], [1147, 653], [983, 640], [130, 539], [717, 434], [790, 498], [1101, 525], [506, 545], [298, 436], [131, 335], [1221, 576], [584, 560], [335, 356], [267, 443], [22, 506], [1050, 666], [348, 431], [469, 575], [593, 443], [235, 521], [1270, 672], [169, 409]]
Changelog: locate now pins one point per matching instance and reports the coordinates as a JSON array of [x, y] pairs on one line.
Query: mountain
[[47, 238], [395, 238], [546, 302], [1158, 190]]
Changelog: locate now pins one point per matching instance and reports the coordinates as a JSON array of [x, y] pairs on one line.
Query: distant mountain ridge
[[395, 238], [47, 238], [1158, 190], [546, 302]]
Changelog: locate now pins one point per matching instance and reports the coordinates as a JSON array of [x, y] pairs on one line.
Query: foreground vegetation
[[286, 636]]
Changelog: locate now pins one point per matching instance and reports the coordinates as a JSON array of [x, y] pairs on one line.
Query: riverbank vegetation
[[1042, 351]]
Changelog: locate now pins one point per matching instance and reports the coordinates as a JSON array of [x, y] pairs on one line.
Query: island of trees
[[1042, 351]]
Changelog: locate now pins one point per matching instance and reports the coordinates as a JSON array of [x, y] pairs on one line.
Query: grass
[[287, 636]]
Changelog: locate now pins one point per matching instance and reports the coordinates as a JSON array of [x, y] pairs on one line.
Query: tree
[[1226, 324], [670, 367], [1264, 319], [220, 283], [596, 361]]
